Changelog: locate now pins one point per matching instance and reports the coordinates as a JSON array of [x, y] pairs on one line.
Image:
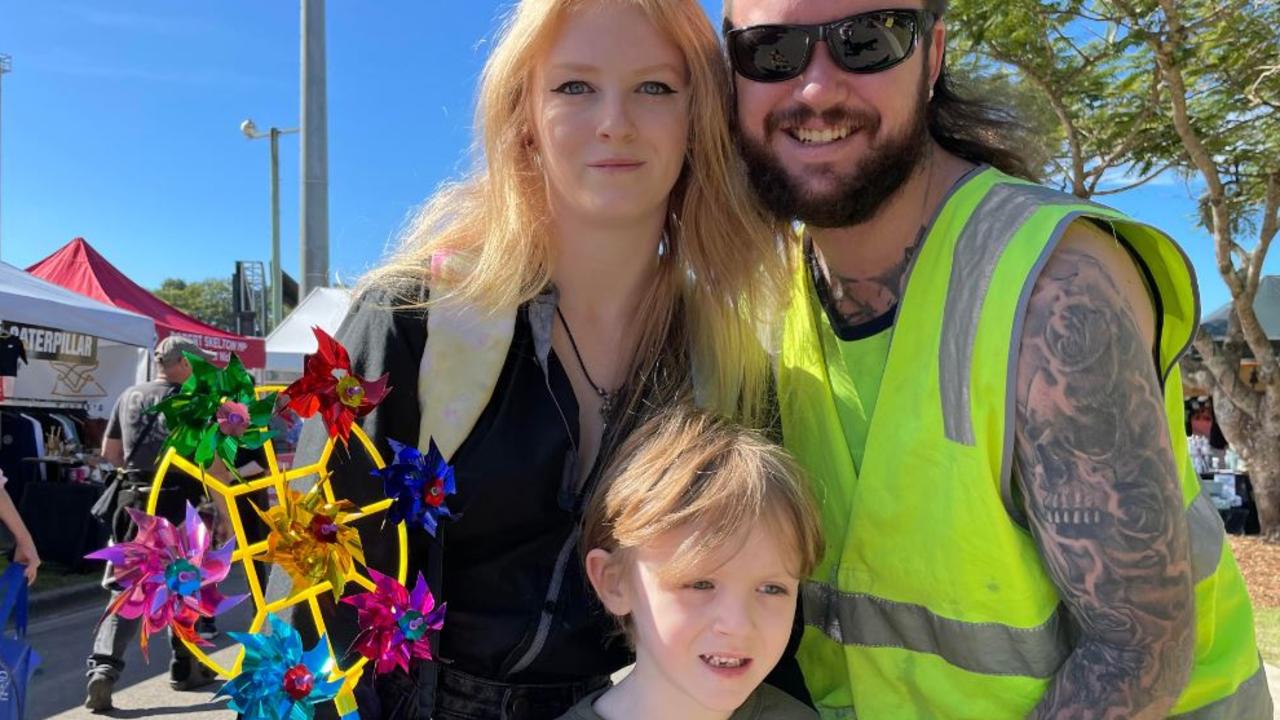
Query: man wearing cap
[[133, 441]]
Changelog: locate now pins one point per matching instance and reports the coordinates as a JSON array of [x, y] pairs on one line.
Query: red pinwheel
[[328, 387]]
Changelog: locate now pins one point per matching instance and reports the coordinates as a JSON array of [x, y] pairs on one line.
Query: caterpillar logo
[[44, 343]]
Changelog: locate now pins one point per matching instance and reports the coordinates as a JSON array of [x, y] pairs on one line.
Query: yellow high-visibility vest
[[932, 600]]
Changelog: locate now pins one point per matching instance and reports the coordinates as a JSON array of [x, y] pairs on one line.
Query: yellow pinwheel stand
[[248, 554]]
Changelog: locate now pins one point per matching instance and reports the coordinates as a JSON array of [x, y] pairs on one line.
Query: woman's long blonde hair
[[720, 271]]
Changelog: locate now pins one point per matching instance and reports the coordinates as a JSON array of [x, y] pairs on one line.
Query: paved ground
[[64, 640]]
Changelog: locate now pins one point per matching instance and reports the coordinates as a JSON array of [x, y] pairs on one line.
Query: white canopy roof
[[27, 299], [293, 339]]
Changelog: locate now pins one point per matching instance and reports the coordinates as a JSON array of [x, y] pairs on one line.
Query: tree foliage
[[208, 301], [1140, 87]]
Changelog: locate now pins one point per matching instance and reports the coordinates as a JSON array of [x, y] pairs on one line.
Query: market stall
[[293, 340], [78, 267], [64, 359], [71, 350]]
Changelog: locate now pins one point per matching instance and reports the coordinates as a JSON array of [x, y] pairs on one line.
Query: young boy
[[697, 541]]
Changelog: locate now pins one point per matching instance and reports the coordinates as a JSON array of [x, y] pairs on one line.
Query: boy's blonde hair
[[689, 469], [721, 272]]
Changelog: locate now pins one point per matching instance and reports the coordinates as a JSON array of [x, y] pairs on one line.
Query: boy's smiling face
[[707, 639]]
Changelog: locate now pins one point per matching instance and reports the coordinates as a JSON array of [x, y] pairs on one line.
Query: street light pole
[[277, 280], [6, 65], [314, 199]]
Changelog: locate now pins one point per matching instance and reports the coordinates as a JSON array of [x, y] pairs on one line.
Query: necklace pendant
[[606, 405]]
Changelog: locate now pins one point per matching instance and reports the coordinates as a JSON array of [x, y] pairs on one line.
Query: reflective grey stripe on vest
[[986, 235], [1207, 536], [1250, 701], [990, 648]]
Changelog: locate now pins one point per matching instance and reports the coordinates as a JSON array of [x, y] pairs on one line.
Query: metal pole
[[277, 287], [314, 224], [6, 65]]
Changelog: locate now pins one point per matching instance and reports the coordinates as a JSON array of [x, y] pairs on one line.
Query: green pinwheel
[[216, 413]]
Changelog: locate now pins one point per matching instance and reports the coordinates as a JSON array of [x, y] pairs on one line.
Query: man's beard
[[859, 193]]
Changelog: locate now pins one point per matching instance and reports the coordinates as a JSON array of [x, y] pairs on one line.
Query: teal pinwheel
[[216, 413], [278, 680]]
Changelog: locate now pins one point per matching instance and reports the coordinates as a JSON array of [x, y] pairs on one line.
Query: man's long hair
[[973, 129]]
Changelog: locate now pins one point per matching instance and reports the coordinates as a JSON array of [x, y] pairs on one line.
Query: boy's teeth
[[805, 135], [724, 662]]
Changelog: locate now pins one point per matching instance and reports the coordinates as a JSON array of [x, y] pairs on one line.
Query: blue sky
[[121, 124]]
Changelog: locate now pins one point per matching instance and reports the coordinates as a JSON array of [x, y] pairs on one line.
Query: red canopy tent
[[78, 267]]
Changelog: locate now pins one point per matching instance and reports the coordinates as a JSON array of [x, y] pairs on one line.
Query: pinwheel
[[278, 680], [394, 622], [215, 414], [329, 388], [417, 486], [169, 575], [310, 539]]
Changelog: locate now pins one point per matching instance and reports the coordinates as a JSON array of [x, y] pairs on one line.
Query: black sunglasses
[[864, 43]]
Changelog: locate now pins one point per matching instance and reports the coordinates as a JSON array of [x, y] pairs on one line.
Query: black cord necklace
[[607, 397]]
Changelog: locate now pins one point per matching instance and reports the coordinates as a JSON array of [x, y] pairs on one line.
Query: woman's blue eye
[[772, 589], [702, 585], [654, 87], [573, 87]]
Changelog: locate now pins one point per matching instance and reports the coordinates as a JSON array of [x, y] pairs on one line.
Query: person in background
[[24, 550], [132, 444]]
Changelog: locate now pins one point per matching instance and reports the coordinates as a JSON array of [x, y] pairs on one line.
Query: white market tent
[[289, 343], [27, 299], [117, 359]]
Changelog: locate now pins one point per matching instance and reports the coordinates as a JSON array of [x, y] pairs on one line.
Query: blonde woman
[[603, 259]]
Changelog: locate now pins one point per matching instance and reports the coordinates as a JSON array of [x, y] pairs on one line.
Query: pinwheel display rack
[[247, 553], [169, 574]]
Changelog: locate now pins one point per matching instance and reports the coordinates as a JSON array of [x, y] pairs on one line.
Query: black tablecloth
[[1242, 520], [57, 514]]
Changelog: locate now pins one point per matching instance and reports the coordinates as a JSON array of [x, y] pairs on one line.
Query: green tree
[[208, 301], [1141, 87]]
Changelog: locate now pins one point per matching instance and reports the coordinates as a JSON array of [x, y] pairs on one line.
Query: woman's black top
[[517, 509]]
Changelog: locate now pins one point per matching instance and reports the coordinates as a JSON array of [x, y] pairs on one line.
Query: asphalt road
[[64, 639]]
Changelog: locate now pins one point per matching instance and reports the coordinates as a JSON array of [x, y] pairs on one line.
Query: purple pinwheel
[[170, 575], [417, 486], [394, 622]]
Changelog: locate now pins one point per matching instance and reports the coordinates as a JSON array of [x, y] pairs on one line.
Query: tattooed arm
[[1101, 486]]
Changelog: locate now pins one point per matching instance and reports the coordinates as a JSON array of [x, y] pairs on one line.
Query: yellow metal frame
[[247, 554]]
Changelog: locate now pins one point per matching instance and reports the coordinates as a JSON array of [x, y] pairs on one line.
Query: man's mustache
[[839, 115]]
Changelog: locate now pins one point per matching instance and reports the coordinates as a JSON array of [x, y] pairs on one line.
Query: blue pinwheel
[[278, 680], [417, 486]]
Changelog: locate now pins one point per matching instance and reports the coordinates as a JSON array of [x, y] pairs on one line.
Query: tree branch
[[1224, 369], [1155, 174], [1270, 223], [1164, 48], [1064, 116], [1254, 92]]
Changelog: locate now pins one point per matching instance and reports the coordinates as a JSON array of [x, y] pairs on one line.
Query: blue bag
[[18, 661]]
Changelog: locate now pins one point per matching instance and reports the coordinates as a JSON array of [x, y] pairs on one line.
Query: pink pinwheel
[[329, 388], [394, 622], [170, 575]]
